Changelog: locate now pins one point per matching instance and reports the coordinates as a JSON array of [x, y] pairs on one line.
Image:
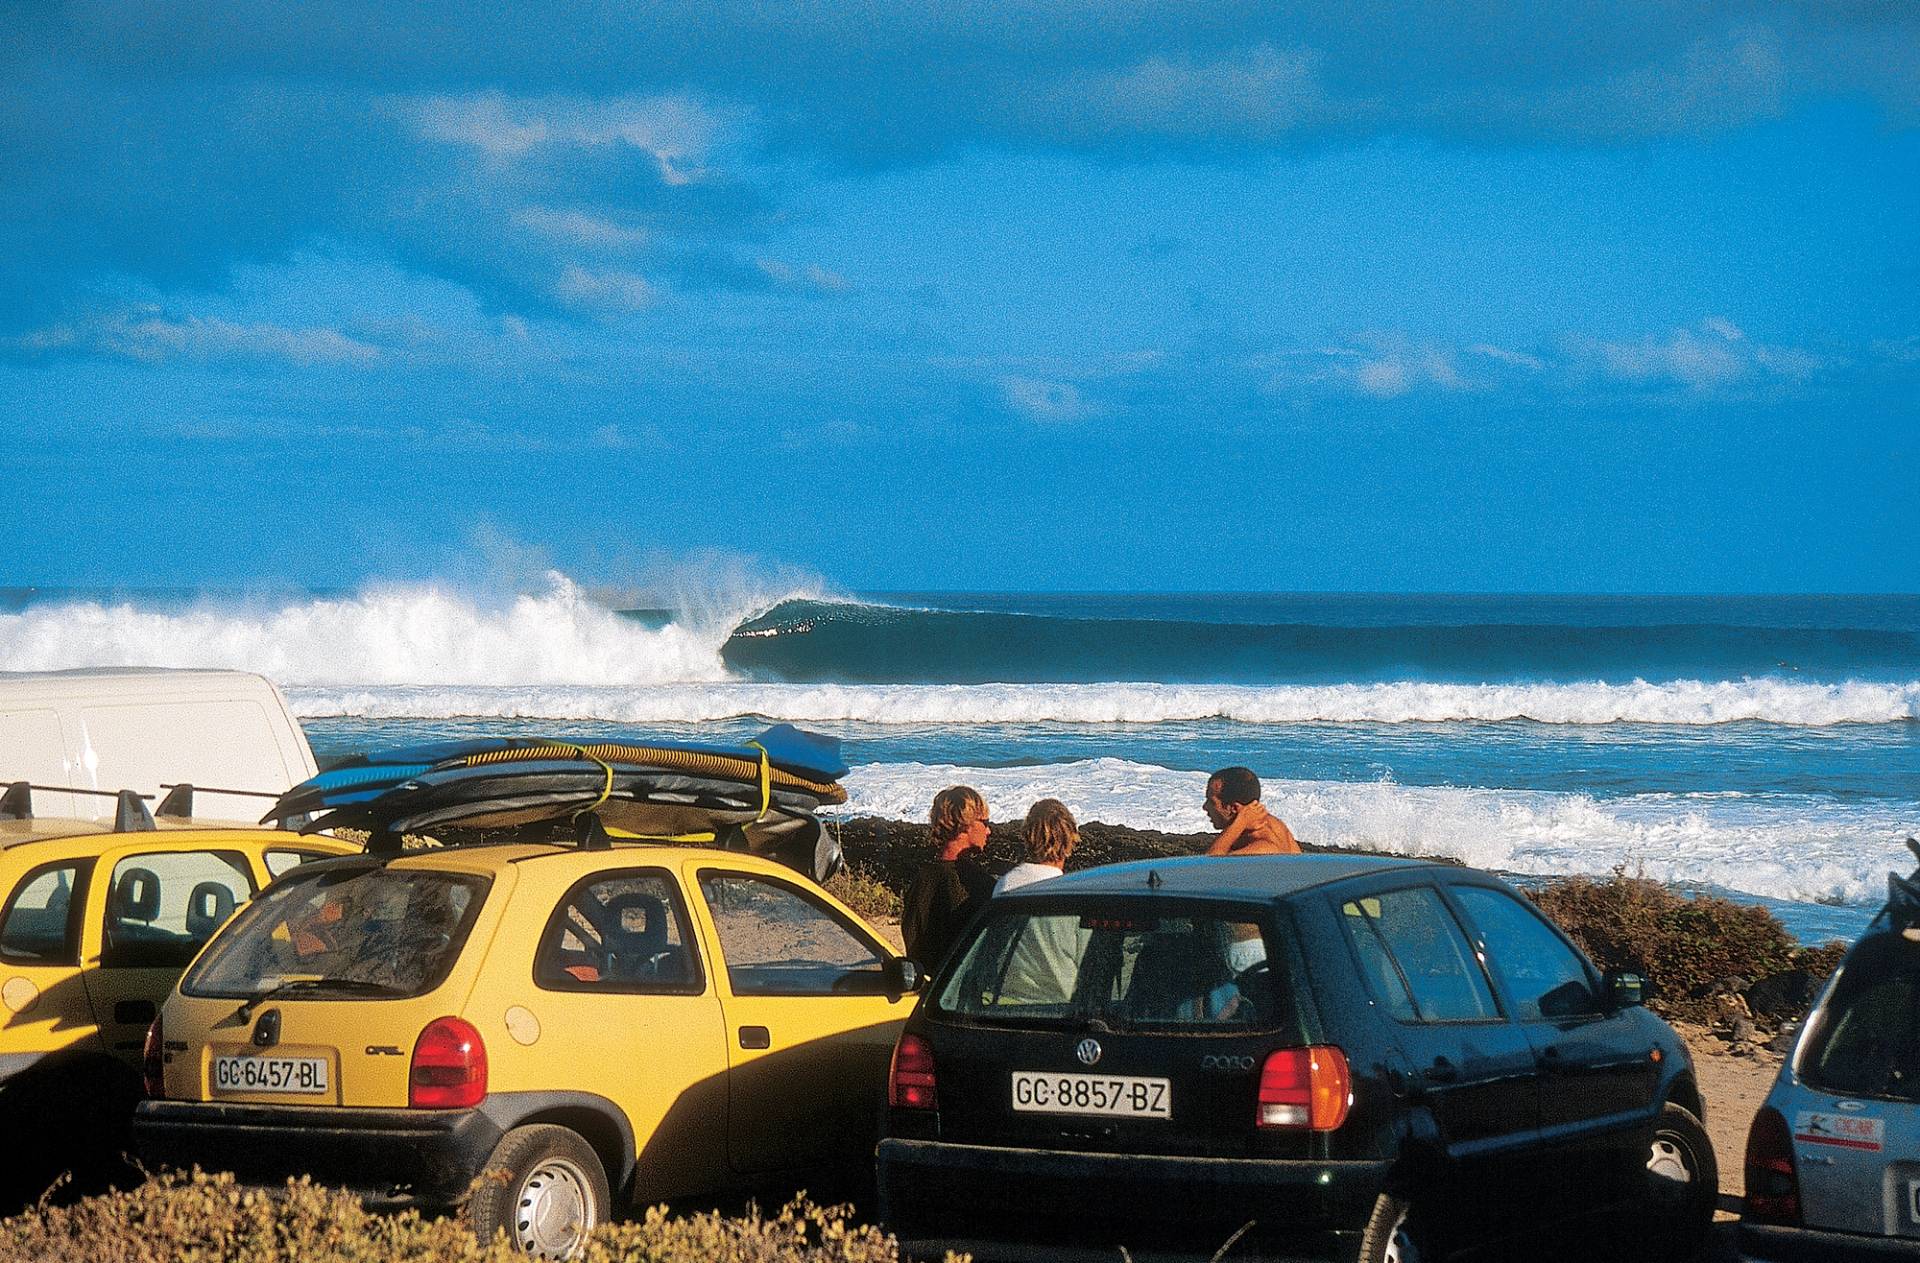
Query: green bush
[[1684, 946], [211, 1219]]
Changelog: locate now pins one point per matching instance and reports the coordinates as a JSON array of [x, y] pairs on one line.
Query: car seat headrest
[[136, 896], [208, 907]]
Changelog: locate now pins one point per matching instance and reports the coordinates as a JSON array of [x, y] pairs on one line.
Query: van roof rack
[[130, 814]]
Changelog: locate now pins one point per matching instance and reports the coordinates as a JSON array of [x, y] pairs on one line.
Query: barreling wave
[[856, 643], [1684, 703], [1789, 847]]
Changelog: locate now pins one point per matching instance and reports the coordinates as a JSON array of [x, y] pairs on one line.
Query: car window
[[38, 926], [1866, 1044], [1545, 977], [1417, 959], [1130, 970], [619, 932], [280, 863], [778, 941], [374, 931], [163, 905]]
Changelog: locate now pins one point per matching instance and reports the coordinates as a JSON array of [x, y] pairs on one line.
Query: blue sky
[[1383, 296]]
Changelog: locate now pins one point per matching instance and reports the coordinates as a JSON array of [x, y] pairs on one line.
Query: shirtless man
[[1246, 827]]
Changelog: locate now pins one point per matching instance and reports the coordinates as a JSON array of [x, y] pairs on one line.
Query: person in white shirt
[[1051, 835], [1046, 959]]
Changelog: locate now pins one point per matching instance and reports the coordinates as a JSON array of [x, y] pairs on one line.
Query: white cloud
[[605, 292], [1518, 359], [1059, 402], [1702, 357], [581, 229], [1258, 92], [147, 335], [811, 276], [678, 131]]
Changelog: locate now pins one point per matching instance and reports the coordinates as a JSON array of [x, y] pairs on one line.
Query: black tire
[[545, 1188], [1683, 1186], [1394, 1234]]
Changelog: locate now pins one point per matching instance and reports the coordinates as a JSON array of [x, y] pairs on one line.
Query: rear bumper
[[422, 1158], [934, 1195], [1766, 1243]]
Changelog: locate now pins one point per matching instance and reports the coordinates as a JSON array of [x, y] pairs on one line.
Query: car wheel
[[1394, 1235], [545, 1188], [1683, 1184]]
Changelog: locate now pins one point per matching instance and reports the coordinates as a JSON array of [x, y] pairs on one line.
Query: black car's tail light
[[1305, 1089], [449, 1068], [1773, 1186], [910, 1080], [153, 1063]]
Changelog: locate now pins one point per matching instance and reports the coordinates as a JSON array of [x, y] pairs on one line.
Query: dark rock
[[1743, 1031], [1783, 1042], [1784, 996]]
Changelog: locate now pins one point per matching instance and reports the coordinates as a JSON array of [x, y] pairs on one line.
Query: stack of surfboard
[[759, 795]]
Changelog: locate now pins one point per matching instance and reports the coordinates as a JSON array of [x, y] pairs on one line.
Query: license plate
[[301, 1075], [1124, 1095]]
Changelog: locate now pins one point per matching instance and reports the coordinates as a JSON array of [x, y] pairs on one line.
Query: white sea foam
[[1684, 702], [381, 637], [1781, 847]]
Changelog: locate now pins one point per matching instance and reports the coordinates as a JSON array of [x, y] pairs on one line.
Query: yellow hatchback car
[[597, 1028], [97, 921]]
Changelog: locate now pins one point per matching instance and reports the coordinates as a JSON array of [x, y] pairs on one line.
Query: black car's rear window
[[1131, 968], [369, 931], [1868, 1043]]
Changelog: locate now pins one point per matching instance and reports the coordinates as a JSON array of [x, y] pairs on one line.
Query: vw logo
[[1088, 1051]]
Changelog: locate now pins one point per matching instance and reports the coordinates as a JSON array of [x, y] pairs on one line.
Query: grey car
[[1833, 1159]]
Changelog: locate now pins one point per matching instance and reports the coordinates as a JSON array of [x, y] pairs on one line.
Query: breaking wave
[[1680, 703]]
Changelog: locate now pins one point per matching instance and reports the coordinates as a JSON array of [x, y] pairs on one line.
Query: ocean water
[[1767, 748]]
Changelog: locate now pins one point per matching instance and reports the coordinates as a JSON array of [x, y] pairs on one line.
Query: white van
[[148, 729]]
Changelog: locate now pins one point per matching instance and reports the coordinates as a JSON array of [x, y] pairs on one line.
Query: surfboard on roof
[[759, 795]]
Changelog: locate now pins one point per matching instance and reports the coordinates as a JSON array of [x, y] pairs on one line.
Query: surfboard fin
[[590, 834]]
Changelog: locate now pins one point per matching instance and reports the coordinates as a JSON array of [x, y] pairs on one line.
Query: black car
[[1322, 1057]]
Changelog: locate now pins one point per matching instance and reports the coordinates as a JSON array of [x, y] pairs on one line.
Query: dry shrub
[[866, 894], [212, 1219], [1684, 946]]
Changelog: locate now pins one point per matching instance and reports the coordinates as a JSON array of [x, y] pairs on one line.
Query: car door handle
[[1549, 1060], [755, 1037], [133, 1012], [1442, 1071]]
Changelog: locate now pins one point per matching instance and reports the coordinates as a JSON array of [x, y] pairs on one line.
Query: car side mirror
[[903, 976], [1624, 990]]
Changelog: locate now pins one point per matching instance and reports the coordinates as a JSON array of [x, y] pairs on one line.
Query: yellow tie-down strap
[[722, 766]]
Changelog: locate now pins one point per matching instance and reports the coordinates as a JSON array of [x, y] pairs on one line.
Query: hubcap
[[1670, 1166], [1400, 1246], [554, 1211]]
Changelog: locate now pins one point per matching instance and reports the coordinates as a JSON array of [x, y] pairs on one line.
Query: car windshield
[[361, 931], [1868, 1043], [1117, 968]]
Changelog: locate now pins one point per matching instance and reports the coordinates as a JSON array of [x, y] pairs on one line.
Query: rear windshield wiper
[[352, 986]]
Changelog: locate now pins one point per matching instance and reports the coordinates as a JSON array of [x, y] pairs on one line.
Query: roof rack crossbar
[[208, 789], [75, 789]]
